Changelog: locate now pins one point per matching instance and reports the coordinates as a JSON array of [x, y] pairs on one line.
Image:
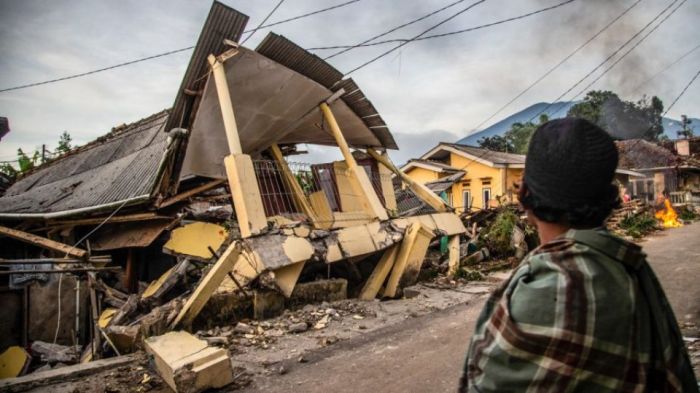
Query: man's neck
[[548, 231]]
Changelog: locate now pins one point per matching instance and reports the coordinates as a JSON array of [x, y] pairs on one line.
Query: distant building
[[470, 177], [676, 172]]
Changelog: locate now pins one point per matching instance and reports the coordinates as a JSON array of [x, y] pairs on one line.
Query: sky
[[427, 91]]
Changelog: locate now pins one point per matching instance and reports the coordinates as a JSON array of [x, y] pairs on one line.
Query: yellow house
[[471, 177]]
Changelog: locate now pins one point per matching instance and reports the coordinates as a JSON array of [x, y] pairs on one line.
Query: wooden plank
[[61, 374], [387, 186], [286, 277], [245, 270], [411, 254], [350, 201], [360, 181], [246, 194], [116, 219], [320, 205], [379, 274], [207, 285], [43, 242], [401, 259], [293, 184], [186, 194], [423, 192], [454, 257]]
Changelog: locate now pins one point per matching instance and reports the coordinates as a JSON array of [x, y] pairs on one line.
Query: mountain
[[556, 111]]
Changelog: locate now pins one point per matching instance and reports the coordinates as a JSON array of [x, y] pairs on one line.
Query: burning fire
[[668, 216]]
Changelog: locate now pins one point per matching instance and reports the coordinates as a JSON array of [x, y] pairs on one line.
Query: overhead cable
[[556, 66], [367, 41], [168, 53], [607, 59], [365, 64]]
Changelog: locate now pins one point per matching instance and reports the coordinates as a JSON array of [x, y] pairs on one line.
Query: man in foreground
[[583, 312]]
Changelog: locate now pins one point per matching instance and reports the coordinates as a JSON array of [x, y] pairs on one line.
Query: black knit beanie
[[570, 162]]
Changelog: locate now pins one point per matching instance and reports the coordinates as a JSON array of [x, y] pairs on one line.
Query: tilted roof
[[119, 166], [641, 154], [479, 154]]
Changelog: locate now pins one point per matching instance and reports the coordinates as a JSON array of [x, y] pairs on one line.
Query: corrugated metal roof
[[285, 52], [121, 165], [496, 157], [222, 23]]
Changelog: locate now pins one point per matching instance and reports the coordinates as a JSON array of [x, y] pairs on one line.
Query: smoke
[[588, 17]]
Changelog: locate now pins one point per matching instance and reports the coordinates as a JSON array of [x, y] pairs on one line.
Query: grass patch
[[687, 214], [638, 225]]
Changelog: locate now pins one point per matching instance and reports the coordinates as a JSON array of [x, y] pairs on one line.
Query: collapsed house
[[663, 170], [202, 211]]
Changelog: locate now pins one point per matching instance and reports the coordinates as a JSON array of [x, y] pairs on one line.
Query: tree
[[622, 119], [495, 143], [26, 162], [516, 140], [685, 132], [64, 143]]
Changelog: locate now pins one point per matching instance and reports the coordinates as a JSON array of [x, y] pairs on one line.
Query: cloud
[[449, 84]]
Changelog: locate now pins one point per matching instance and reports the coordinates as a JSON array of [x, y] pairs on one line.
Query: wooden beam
[[53, 261], [454, 257], [226, 105], [293, 184], [186, 194], [247, 201], [43, 242], [409, 259], [423, 192], [324, 213], [61, 271], [207, 285], [113, 220], [379, 274], [286, 277], [361, 184]]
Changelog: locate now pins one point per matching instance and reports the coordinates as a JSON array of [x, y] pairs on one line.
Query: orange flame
[[668, 216]]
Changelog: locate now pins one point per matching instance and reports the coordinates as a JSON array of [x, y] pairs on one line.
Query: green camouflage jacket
[[582, 313]]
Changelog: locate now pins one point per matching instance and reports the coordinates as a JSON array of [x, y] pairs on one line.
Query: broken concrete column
[[187, 364]]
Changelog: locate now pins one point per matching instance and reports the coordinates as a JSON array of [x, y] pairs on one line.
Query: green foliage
[[516, 140], [497, 237], [8, 170], [686, 131], [686, 213], [64, 143], [26, 162], [469, 275], [638, 225], [622, 119]]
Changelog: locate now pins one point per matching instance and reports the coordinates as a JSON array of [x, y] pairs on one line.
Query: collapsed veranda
[[133, 234]]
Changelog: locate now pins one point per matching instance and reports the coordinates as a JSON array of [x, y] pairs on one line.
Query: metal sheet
[[118, 166], [270, 102]]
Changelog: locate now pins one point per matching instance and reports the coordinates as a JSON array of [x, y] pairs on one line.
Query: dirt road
[[425, 354]]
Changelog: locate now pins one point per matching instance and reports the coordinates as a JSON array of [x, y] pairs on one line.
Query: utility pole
[[43, 153]]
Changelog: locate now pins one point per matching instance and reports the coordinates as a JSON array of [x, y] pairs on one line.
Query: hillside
[[671, 126]]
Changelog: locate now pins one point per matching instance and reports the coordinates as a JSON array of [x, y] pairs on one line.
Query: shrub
[[638, 225]]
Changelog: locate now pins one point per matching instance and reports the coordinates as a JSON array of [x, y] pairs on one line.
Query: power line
[[416, 37], [613, 54], [263, 21], [666, 68], [479, 27], [650, 32], [365, 42], [172, 52], [685, 89], [551, 70]]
